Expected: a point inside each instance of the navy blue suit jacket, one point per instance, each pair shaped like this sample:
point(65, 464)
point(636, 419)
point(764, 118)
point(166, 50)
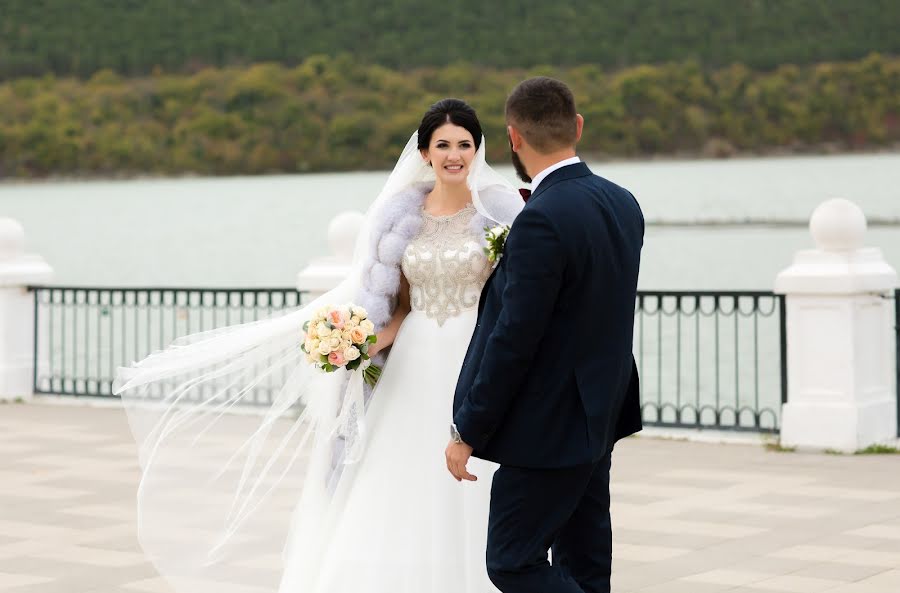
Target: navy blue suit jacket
point(549, 379)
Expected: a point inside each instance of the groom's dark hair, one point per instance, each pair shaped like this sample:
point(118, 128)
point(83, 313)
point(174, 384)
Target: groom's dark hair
point(542, 109)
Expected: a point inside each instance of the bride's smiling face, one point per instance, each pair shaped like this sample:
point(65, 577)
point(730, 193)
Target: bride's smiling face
point(450, 152)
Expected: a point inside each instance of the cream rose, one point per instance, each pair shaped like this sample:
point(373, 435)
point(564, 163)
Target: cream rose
point(367, 326)
point(357, 335)
point(351, 353)
point(322, 330)
point(324, 349)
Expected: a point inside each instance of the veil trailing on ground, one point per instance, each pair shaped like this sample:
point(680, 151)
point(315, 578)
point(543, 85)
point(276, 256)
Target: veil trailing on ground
point(225, 477)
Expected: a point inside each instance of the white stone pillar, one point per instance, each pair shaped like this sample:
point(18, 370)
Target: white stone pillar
point(324, 273)
point(840, 332)
point(17, 272)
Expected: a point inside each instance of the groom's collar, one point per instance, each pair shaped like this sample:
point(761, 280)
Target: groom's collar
point(565, 172)
point(536, 182)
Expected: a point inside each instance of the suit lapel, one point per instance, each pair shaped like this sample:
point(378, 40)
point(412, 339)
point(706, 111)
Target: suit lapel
point(565, 173)
point(487, 286)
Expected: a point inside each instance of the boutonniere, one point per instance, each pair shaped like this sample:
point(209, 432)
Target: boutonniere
point(496, 240)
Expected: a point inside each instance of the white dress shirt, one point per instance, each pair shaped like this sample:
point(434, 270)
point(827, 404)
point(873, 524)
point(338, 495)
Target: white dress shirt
point(536, 180)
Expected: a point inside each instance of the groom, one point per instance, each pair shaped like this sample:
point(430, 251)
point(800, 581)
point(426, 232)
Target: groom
point(549, 383)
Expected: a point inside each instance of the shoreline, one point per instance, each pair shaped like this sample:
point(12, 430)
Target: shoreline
point(680, 157)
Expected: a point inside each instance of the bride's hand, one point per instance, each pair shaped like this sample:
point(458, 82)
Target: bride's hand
point(375, 348)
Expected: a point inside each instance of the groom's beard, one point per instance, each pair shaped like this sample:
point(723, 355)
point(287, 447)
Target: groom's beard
point(521, 173)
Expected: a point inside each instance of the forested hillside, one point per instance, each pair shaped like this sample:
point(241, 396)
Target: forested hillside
point(340, 114)
point(132, 37)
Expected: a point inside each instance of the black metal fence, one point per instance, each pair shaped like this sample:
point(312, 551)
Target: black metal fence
point(706, 359)
point(712, 359)
point(82, 335)
point(897, 352)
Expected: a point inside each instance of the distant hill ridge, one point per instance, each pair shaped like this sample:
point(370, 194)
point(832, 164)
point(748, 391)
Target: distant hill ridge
point(133, 37)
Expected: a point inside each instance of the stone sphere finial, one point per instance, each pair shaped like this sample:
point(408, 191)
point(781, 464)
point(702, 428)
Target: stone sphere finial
point(342, 233)
point(838, 225)
point(12, 239)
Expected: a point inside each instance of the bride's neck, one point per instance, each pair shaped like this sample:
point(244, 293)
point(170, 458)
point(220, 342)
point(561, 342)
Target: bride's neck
point(445, 198)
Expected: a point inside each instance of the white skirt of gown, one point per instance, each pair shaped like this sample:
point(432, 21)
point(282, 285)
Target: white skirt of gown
point(405, 524)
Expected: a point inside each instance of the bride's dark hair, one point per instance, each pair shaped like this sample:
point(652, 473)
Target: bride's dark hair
point(454, 111)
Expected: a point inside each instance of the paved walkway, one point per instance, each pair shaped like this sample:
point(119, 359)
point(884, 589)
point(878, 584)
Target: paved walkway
point(688, 517)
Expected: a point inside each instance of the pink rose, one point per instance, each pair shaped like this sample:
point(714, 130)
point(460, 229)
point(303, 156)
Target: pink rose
point(336, 319)
point(336, 358)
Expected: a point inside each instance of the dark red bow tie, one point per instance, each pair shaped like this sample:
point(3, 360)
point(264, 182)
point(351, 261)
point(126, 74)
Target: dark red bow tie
point(525, 193)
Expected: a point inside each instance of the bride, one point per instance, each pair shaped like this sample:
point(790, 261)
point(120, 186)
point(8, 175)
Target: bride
point(331, 489)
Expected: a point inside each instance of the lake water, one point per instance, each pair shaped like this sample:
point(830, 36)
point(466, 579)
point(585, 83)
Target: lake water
point(260, 231)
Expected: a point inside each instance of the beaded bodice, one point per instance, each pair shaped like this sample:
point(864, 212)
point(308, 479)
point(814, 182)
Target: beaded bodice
point(446, 266)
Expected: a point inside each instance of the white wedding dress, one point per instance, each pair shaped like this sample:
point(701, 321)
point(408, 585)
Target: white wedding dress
point(405, 525)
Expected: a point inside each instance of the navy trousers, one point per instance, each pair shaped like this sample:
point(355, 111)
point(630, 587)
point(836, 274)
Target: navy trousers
point(564, 510)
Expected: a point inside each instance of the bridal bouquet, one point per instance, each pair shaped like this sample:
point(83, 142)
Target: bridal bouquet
point(339, 337)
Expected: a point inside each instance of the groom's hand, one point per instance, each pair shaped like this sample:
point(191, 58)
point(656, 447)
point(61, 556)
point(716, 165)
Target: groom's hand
point(457, 455)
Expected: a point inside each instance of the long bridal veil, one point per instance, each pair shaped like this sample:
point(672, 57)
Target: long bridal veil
point(237, 434)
